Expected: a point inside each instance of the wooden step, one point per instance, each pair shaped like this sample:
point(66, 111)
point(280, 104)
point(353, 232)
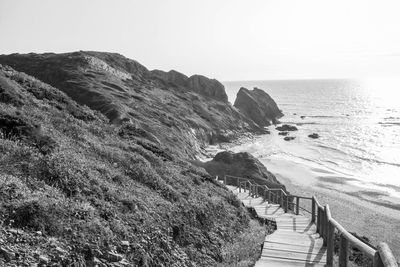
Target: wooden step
point(295, 243)
point(277, 262)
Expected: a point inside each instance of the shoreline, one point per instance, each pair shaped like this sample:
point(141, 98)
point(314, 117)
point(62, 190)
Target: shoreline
point(377, 223)
point(355, 207)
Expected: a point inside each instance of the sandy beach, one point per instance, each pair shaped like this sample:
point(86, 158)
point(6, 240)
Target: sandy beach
point(378, 223)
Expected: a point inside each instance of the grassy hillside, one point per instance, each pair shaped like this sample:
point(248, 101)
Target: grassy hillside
point(166, 109)
point(77, 189)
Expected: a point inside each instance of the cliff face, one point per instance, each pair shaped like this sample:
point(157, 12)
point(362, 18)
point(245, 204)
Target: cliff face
point(258, 106)
point(183, 113)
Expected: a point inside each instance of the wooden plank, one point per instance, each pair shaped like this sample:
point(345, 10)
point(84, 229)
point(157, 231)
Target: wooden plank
point(294, 243)
point(294, 248)
point(285, 263)
point(308, 257)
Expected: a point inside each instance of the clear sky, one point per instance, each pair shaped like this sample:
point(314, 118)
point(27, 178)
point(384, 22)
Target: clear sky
point(223, 39)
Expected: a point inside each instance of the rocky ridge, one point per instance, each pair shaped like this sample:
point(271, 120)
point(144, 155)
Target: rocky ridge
point(183, 113)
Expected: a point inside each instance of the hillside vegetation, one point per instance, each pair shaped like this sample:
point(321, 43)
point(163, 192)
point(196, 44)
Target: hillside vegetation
point(95, 168)
point(182, 113)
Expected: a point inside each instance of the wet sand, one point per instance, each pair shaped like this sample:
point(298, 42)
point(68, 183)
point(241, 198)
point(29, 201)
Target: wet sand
point(357, 209)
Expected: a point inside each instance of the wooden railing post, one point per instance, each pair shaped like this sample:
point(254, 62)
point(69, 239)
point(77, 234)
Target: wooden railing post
point(297, 205)
point(330, 237)
point(322, 223)
point(313, 209)
point(281, 200)
point(343, 251)
point(330, 244)
point(287, 204)
point(225, 180)
point(385, 256)
point(318, 221)
point(325, 228)
point(377, 261)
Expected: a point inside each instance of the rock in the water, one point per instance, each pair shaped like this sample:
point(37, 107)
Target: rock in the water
point(241, 165)
point(285, 133)
point(314, 136)
point(258, 106)
point(289, 138)
point(302, 117)
point(286, 127)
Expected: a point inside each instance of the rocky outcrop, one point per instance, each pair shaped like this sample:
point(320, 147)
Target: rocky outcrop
point(286, 127)
point(241, 165)
point(289, 138)
point(258, 106)
point(208, 87)
point(314, 136)
point(172, 77)
point(202, 85)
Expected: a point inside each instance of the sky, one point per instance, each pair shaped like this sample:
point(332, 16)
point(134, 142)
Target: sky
point(223, 39)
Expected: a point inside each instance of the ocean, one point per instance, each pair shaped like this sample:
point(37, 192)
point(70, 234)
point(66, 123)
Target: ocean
point(358, 122)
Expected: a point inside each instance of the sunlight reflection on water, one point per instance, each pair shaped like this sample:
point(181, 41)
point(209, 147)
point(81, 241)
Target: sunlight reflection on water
point(358, 121)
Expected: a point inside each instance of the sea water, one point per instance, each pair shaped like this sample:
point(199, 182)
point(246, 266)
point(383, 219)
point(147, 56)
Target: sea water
point(358, 122)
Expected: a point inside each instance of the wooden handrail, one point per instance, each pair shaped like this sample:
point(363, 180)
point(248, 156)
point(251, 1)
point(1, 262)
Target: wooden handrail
point(326, 226)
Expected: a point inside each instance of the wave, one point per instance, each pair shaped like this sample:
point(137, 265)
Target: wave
point(306, 123)
point(389, 123)
point(326, 116)
point(378, 161)
point(332, 149)
point(391, 118)
point(359, 157)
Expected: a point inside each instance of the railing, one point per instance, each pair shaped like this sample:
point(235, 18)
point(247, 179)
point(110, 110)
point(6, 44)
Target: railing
point(326, 226)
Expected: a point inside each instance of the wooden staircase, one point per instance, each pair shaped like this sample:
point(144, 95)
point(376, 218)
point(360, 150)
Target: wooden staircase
point(294, 243)
point(299, 240)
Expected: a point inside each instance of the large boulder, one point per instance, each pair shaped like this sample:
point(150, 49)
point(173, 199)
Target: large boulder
point(241, 164)
point(258, 106)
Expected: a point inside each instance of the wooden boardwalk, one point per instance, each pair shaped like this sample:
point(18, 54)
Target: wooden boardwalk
point(294, 243)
